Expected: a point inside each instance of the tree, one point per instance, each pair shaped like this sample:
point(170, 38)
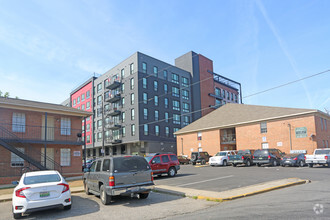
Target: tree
point(5, 95)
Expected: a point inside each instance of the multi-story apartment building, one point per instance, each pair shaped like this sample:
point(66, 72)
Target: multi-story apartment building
point(142, 101)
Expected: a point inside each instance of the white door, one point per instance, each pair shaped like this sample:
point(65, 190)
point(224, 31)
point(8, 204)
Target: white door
point(50, 154)
point(50, 128)
point(264, 145)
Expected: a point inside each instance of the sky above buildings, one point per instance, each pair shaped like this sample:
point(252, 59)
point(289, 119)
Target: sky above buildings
point(48, 48)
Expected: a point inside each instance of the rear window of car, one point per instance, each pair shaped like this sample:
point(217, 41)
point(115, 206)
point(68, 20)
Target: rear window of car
point(322, 152)
point(221, 154)
point(261, 152)
point(174, 158)
point(165, 159)
point(49, 178)
point(130, 164)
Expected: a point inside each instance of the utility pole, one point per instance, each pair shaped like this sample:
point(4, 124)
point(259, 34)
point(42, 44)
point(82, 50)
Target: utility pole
point(102, 112)
point(45, 155)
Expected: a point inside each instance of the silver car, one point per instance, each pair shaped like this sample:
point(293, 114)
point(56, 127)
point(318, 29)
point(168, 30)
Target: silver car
point(119, 176)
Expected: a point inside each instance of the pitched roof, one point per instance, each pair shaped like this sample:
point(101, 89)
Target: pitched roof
point(41, 107)
point(231, 115)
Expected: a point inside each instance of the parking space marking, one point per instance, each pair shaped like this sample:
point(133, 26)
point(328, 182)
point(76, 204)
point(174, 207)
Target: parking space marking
point(203, 181)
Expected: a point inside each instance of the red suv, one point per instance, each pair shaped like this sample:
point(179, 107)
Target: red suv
point(160, 163)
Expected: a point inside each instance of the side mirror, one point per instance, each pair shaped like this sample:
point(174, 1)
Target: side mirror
point(86, 170)
point(15, 183)
point(152, 162)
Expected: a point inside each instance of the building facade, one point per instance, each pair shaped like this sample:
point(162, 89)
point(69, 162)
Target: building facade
point(142, 101)
point(256, 127)
point(38, 136)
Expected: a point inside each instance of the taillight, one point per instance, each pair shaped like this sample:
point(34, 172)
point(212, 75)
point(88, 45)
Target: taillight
point(152, 176)
point(253, 157)
point(281, 158)
point(268, 156)
point(242, 158)
point(305, 157)
point(111, 181)
point(65, 187)
point(20, 193)
point(326, 157)
point(295, 158)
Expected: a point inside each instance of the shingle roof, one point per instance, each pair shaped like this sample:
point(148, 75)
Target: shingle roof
point(41, 107)
point(231, 115)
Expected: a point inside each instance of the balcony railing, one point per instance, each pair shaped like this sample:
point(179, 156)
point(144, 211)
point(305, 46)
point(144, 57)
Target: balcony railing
point(41, 134)
point(113, 139)
point(113, 98)
point(228, 139)
point(114, 83)
point(112, 125)
point(113, 111)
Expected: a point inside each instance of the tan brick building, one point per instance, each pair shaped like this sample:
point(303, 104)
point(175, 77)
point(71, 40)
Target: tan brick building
point(39, 136)
point(239, 126)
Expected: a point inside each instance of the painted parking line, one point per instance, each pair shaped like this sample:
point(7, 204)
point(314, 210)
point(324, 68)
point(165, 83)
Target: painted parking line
point(202, 166)
point(203, 181)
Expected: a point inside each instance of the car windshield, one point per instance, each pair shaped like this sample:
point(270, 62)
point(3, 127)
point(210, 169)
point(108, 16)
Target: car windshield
point(322, 152)
point(221, 154)
point(49, 178)
point(148, 158)
point(130, 164)
point(242, 152)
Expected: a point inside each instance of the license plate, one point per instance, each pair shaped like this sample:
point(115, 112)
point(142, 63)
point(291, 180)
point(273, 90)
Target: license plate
point(260, 158)
point(44, 194)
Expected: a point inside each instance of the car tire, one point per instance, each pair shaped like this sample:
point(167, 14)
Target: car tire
point(143, 195)
point(193, 163)
point(17, 215)
point(224, 163)
point(234, 165)
point(274, 163)
point(67, 207)
point(203, 162)
point(283, 165)
point(171, 172)
point(301, 163)
point(258, 164)
point(105, 198)
point(248, 163)
point(86, 189)
point(310, 165)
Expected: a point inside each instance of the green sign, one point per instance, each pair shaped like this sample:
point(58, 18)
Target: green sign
point(301, 132)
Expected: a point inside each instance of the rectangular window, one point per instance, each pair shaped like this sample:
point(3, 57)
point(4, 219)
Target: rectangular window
point(132, 114)
point(217, 92)
point(185, 107)
point(157, 130)
point(186, 120)
point(131, 68)
point(132, 83)
point(321, 124)
point(185, 82)
point(74, 102)
point(185, 94)
point(175, 78)
point(123, 87)
point(176, 119)
point(99, 87)
point(146, 129)
point(133, 129)
point(228, 95)
point(232, 97)
point(99, 123)
point(156, 100)
point(65, 126)
point(263, 127)
point(325, 124)
point(145, 98)
point(175, 130)
point(167, 131)
point(99, 99)
point(166, 102)
point(88, 127)
point(88, 138)
point(175, 92)
point(65, 157)
point(88, 105)
point(83, 107)
point(165, 74)
point(155, 86)
point(18, 124)
point(145, 113)
point(144, 67)
point(223, 93)
point(82, 97)
point(132, 99)
point(99, 136)
point(123, 131)
point(123, 117)
point(156, 115)
point(236, 98)
point(122, 73)
point(176, 105)
point(15, 160)
point(166, 116)
point(106, 83)
point(144, 83)
point(165, 88)
point(156, 71)
point(78, 100)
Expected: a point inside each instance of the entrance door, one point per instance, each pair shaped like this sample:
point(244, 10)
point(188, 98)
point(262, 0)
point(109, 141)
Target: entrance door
point(49, 154)
point(50, 128)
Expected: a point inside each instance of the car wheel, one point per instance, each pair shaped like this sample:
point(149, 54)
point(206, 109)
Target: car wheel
point(171, 172)
point(274, 163)
point(193, 163)
point(234, 164)
point(105, 198)
point(258, 164)
point(203, 162)
point(301, 163)
point(248, 163)
point(143, 195)
point(17, 215)
point(67, 207)
point(310, 165)
point(86, 189)
point(283, 165)
point(224, 163)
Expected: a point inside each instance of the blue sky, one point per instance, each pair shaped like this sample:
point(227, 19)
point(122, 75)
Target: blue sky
point(47, 48)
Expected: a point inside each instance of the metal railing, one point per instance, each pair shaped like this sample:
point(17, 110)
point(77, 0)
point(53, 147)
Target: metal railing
point(229, 138)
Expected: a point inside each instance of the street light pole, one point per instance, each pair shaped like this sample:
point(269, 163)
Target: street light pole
point(103, 150)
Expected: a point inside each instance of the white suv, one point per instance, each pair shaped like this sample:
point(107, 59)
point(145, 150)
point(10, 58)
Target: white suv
point(221, 158)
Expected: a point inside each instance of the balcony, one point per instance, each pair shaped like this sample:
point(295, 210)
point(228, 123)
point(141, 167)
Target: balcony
point(113, 139)
point(113, 98)
point(113, 125)
point(216, 96)
point(228, 139)
point(215, 106)
point(114, 83)
point(113, 111)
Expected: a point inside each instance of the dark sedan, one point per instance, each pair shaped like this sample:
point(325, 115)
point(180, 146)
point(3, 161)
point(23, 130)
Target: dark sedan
point(293, 160)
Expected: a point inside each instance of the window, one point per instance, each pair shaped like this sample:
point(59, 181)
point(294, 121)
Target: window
point(106, 165)
point(157, 130)
point(123, 117)
point(83, 107)
point(132, 99)
point(65, 157)
point(133, 129)
point(263, 127)
point(165, 74)
point(175, 130)
point(15, 160)
point(217, 92)
point(175, 78)
point(185, 82)
point(88, 94)
point(175, 92)
point(123, 131)
point(78, 100)
point(321, 124)
point(236, 98)
point(99, 100)
point(156, 71)
point(155, 86)
point(122, 73)
point(145, 113)
point(98, 165)
point(65, 126)
point(167, 131)
point(144, 67)
point(131, 68)
point(223, 93)
point(185, 94)
point(145, 98)
point(123, 87)
point(325, 124)
point(18, 124)
point(176, 105)
point(145, 129)
point(74, 102)
point(176, 119)
point(156, 115)
point(144, 83)
point(186, 120)
point(217, 102)
point(185, 107)
point(88, 127)
point(82, 97)
point(99, 136)
point(99, 123)
point(132, 83)
point(166, 116)
point(88, 105)
point(99, 87)
point(228, 95)
point(165, 159)
point(165, 88)
point(132, 114)
point(88, 138)
point(166, 102)
point(156, 100)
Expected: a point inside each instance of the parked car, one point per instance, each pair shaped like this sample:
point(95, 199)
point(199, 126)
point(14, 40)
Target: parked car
point(118, 176)
point(183, 159)
point(293, 160)
point(320, 156)
point(221, 158)
point(242, 157)
point(199, 157)
point(267, 156)
point(163, 163)
point(40, 190)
